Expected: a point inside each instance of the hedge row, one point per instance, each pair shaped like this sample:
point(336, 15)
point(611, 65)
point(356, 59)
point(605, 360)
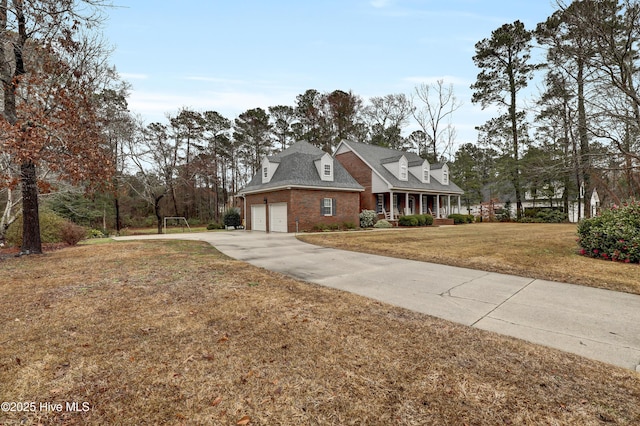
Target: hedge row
point(460, 219)
point(416, 220)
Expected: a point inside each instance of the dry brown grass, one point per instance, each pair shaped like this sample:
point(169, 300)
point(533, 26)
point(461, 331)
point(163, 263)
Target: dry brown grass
point(175, 333)
point(546, 251)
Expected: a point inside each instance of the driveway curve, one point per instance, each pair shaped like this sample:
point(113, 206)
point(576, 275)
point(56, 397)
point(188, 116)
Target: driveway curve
point(598, 324)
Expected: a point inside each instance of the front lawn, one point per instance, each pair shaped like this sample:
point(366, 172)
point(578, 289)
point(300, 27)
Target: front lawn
point(176, 333)
point(546, 251)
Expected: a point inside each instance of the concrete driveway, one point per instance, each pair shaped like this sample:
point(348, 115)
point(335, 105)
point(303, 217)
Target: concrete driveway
point(597, 324)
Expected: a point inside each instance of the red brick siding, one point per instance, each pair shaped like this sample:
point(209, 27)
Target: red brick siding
point(304, 205)
point(362, 174)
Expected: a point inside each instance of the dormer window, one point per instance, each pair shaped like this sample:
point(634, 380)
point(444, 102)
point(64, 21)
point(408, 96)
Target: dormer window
point(403, 170)
point(268, 169)
point(324, 166)
point(426, 175)
point(445, 176)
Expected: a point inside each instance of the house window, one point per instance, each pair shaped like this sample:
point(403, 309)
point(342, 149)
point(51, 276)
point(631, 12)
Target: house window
point(380, 204)
point(327, 170)
point(328, 207)
point(265, 172)
point(403, 172)
point(425, 175)
point(445, 176)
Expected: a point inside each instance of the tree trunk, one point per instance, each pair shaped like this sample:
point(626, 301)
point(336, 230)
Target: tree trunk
point(156, 208)
point(117, 207)
point(31, 242)
point(585, 157)
point(516, 145)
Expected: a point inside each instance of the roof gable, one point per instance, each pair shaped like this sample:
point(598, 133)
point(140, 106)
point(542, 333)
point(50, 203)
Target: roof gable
point(378, 159)
point(302, 165)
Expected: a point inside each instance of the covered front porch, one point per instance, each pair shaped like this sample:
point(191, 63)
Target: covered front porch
point(393, 204)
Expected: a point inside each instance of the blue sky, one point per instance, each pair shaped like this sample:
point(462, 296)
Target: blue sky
point(233, 55)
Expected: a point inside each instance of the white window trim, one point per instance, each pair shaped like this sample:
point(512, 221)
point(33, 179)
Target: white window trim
point(325, 207)
point(325, 173)
point(404, 172)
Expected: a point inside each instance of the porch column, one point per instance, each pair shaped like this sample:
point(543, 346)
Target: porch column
point(421, 197)
point(406, 204)
point(459, 204)
point(391, 206)
point(448, 205)
point(438, 206)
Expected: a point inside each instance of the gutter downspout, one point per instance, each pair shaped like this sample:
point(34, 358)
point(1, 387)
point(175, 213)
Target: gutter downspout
point(244, 212)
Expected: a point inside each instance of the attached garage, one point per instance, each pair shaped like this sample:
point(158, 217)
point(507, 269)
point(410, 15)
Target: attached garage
point(299, 189)
point(258, 217)
point(278, 217)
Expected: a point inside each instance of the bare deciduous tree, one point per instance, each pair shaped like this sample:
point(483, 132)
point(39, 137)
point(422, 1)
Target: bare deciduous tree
point(437, 105)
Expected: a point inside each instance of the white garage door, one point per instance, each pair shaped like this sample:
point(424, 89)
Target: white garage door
point(278, 217)
point(258, 217)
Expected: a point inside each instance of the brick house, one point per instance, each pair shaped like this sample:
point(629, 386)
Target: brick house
point(399, 183)
point(298, 189)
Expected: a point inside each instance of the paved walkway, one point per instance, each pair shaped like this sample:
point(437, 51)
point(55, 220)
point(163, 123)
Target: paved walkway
point(594, 323)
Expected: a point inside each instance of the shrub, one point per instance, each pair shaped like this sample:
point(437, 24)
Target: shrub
point(382, 223)
point(614, 235)
point(72, 234)
point(349, 225)
point(552, 216)
point(215, 225)
point(543, 215)
point(460, 219)
point(368, 218)
point(232, 218)
point(428, 219)
point(408, 220)
point(50, 229)
point(96, 233)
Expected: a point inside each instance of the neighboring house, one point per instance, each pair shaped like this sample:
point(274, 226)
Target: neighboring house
point(298, 189)
point(399, 183)
point(549, 196)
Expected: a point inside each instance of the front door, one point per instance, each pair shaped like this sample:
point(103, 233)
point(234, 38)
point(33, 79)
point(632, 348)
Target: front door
point(412, 205)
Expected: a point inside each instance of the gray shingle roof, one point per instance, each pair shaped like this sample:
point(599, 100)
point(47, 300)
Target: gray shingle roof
point(377, 156)
point(297, 169)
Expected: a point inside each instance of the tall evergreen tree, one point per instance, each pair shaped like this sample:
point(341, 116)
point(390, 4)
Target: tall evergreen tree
point(252, 131)
point(570, 52)
point(505, 70)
